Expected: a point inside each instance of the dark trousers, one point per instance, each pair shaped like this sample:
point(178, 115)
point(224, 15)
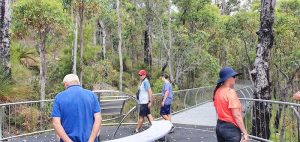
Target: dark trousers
point(227, 132)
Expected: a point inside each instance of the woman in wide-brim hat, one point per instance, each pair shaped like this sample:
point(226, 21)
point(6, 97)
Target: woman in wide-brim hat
point(230, 125)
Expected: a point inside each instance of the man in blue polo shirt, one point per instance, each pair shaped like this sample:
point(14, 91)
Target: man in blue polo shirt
point(76, 113)
point(167, 97)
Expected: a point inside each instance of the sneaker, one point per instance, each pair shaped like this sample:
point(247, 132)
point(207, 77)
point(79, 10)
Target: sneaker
point(135, 132)
point(172, 130)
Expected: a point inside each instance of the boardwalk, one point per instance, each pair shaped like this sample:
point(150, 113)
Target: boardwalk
point(183, 133)
point(193, 125)
point(203, 115)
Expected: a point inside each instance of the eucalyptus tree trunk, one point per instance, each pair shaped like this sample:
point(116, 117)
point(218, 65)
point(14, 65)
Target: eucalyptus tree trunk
point(261, 72)
point(223, 7)
point(75, 44)
point(102, 37)
point(120, 45)
point(170, 41)
point(147, 37)
point(81, 12)
point(5, 20)
point(42, 52)
point(147, 48)
point(95, 33)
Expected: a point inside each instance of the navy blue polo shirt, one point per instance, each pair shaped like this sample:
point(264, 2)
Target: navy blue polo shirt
point(76, 107)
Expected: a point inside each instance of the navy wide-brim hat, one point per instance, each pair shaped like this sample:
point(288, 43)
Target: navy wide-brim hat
point(226, 73)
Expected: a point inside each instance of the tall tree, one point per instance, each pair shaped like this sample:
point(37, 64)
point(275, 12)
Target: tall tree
point(39, 18)
point(5, 19)
point(81, 16)
point(102, 36)
point(78, 10)
point(229, 6)
point(261, 72)
point(74, 12)
point(120, 44)
point(147, 36)
point(169, 59)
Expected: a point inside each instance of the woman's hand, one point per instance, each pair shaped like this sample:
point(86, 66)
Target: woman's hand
point(162, 103)
point(245, 138)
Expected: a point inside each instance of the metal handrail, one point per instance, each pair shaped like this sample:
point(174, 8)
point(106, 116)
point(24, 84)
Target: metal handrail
point(26, 102)
point(35, 103)
point(250, 102)
point(204, 97)
point(271, 101)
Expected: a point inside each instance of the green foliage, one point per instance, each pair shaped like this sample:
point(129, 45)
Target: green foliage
point(290, 6)
point(5, 82)
point(41, 16)
point(203, 41)
point(28, 118)
point(190, 8)
point(102, 72)
point(287, 39)
point(209, 16)
point(157, 86)
point(18, 87)
point(56, 73)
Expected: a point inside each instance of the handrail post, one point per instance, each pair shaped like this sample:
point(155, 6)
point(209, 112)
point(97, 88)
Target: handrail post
point(1, 121)
point(196, 99)
point(298, 120)
point(298, 130)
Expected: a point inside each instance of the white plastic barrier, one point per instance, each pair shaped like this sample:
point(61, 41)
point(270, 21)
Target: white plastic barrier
point(157, 130)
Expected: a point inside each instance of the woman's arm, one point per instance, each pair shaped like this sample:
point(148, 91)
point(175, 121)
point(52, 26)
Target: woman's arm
point(239, 120)
point(235, 106)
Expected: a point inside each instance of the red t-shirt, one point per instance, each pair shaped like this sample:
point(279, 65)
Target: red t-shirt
point(224, 102)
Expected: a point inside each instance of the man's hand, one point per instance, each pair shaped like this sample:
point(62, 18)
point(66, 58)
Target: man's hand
point(149, 104)
point(96, 127)
point(60, 130)
point(162, 103)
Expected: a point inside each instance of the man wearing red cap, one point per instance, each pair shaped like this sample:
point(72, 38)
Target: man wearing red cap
point(144, 97)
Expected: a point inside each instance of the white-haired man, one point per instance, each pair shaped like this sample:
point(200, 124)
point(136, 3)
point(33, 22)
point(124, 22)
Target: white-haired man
point(76, 113)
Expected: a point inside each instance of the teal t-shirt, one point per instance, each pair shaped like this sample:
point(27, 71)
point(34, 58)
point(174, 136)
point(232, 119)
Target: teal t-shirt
point(144, 87)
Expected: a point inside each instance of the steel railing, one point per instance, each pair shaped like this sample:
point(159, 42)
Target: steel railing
point(270, 120)
point(32, 117)
point(27, 118)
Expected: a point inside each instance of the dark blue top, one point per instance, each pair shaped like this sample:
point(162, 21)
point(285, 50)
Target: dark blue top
point(76, 107)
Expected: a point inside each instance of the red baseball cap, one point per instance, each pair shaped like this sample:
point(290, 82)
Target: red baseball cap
point(142, 72)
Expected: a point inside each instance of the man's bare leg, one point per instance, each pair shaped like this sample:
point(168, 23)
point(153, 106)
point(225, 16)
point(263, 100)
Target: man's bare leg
point(140, 123)
point(166, 117)
point(150, 118)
